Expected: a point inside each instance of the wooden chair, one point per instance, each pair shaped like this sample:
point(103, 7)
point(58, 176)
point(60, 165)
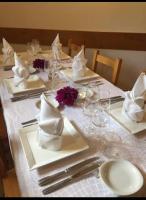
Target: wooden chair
point(73, 48)
point(115, 64)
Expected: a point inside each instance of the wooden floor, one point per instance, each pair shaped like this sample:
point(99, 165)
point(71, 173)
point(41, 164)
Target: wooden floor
point(11, 188)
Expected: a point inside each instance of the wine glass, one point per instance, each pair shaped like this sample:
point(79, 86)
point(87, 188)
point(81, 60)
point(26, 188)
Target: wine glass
point(53, 73)
point(35, 46)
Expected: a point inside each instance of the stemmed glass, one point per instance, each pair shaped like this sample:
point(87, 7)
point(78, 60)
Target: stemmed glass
point(33, 48)
point(101, 122)
point(53, 73)
point(35, 45)
point(111, 145)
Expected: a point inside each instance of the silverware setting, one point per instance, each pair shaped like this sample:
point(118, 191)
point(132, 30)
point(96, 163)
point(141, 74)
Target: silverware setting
point(28, 122)
point(98, 81)
point(10, 77)
point(80, 173)
point(115, 98)
point(64, 173)
point(28, 95)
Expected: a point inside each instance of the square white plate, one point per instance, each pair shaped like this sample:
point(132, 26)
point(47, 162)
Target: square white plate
point(6, 66)
point(34, 84)
point(73, 143)
point(127, 123)
point(89, 75)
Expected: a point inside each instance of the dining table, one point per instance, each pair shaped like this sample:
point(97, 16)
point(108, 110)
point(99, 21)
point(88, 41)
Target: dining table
point(91, 185)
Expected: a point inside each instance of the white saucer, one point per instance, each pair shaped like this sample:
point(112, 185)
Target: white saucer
point(121, 176)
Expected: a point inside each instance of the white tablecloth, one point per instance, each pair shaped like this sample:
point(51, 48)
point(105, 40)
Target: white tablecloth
point(89, 186)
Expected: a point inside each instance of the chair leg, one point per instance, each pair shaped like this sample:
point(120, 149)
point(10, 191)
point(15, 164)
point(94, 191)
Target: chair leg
point(5, 154)
point(2, 194)
point(2, 168)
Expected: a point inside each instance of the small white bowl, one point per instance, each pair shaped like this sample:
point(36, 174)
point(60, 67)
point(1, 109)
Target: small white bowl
point(121, 176)
point(83, 93)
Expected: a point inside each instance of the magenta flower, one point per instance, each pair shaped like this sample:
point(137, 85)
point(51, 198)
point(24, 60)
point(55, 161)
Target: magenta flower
point(66, 96)
point(39, 64)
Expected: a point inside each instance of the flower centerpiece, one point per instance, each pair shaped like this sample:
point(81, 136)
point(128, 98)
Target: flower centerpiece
point(67, 96)
point(39, 64)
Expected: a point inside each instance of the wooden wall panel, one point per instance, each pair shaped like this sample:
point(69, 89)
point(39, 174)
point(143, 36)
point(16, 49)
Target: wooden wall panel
point(102, 40)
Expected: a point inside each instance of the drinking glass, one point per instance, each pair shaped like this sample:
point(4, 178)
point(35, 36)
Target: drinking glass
point(101, 117)
point(91, 94)
point(35, 45)
point(90, 103)
point(53, 73)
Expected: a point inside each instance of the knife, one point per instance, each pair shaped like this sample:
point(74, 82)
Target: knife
point(28, 122)
point(28, 95)
point(71, 179)
point(116, 100)
point(112, 98)
point(66, 172)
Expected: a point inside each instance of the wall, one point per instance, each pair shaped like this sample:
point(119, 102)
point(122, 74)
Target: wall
point(97, 16)
point(88, 16)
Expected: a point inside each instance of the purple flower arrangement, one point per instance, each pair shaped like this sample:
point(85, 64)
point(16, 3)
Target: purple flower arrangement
point(66, 96)
point(39, 64)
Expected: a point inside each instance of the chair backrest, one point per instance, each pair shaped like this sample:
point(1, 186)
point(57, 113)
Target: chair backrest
point(73, 48)
point(115, 64)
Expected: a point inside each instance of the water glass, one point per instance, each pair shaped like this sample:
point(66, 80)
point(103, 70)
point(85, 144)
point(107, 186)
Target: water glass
point(35, 45)
point(101, 117)
point(91, 94)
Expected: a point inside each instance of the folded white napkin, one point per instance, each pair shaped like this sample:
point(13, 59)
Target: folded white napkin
point(21, 73)
point(79, 64)
point(8, 52)
point(133, 105)
point(51, 125)
point(57, 48)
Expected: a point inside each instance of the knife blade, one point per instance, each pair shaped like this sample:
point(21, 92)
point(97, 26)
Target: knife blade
point(66, 172)
point(71, 179)
point(26, 96)
point(117, 100)
point(28, 122)
point(112, 98)
point(22, 96)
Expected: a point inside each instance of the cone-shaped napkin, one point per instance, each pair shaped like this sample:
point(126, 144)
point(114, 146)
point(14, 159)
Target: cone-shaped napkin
point(57, 48)
point(51, 125)
point(8, 52)
point(21, 73)
point(79, 64)
point(133, 105)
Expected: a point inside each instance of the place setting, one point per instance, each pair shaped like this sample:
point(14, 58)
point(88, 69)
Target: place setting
point(130, 112)
point(52, 138)
point(23, 83)
point(78, 71)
